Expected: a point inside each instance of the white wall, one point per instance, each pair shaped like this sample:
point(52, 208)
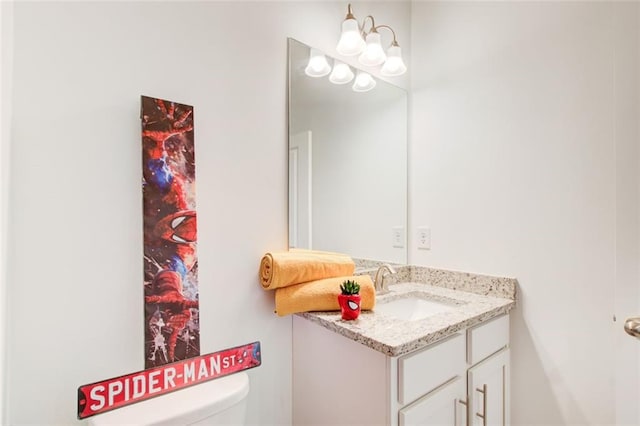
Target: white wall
point(75, 246)
point(518, 165)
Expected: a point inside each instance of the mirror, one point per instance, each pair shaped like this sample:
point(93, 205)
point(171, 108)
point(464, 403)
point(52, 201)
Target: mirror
point(347, 165)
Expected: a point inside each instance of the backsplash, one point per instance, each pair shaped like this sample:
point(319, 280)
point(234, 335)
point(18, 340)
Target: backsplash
point(485, 285)
point(367, 264)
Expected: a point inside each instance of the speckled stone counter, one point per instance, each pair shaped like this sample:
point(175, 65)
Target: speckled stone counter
point(474, 299)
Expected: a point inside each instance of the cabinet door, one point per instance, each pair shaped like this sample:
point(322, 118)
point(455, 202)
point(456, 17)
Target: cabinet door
point(488, 389)
point(442, 407)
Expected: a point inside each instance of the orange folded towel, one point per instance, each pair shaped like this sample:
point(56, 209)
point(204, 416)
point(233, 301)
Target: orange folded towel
point(322, 295)
point(281, 269)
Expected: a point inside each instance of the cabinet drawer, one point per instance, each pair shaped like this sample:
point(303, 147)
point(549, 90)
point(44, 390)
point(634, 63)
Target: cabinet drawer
point(421, 372)
point(487, 339)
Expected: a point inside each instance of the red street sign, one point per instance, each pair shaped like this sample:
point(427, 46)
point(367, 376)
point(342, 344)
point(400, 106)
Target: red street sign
point(114, 393)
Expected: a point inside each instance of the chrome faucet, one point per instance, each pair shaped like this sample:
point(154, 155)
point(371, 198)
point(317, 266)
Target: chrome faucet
point(378, 281)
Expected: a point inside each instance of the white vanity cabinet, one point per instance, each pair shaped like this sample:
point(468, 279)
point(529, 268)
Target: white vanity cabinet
point(488, 388)
point(337, 381)
point(488, 375)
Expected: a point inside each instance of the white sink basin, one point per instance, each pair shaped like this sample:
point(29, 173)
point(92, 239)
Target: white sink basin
point(411, 308)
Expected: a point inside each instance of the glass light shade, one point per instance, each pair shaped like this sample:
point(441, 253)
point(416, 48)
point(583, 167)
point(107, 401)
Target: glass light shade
point(341, 73)
point(394, 65)
point(373, 54)
point(351, 42)
point(318, 65)
point(364, 82)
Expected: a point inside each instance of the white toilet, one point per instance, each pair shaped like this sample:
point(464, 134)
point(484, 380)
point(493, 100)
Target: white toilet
point(217, 402)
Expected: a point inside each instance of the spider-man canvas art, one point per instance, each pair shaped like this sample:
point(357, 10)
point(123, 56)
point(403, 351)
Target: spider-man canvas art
point(172, 329)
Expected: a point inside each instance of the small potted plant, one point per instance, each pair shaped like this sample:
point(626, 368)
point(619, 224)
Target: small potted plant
point(349, 300)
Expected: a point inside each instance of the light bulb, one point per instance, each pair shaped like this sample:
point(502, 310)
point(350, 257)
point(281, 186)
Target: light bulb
point(341, 73)
point(318, 65)
point(373, 54)
point(364, 82)
point(394, 65)
point(351, 42)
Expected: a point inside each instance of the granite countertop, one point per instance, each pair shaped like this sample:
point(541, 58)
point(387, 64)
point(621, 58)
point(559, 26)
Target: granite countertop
point(473, 299)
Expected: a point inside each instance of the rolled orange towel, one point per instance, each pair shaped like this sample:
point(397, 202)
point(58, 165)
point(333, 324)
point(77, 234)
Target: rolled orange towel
point(281, 269)
point(322, 295)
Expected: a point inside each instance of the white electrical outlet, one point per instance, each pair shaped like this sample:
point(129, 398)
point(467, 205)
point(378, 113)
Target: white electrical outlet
point(398, 236)
point(424, 238)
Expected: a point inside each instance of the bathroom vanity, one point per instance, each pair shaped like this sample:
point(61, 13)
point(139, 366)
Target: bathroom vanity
point(435, 351)
point(411, 365)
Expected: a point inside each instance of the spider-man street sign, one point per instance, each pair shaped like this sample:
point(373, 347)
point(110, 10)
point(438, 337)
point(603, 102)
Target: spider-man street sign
point(96, 398)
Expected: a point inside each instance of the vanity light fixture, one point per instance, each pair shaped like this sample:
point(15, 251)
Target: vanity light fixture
point(341, 73)
point(352, 42)
point(373, 54)
point(394, 65)
point(364, 82)
point(318, 65)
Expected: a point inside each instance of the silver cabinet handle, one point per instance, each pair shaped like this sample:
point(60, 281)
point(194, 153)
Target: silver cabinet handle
point(483, 416)
point(466, 411)
point(632, 326)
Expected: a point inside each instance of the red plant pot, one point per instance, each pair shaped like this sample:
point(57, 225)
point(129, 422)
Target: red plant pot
point(349, 305)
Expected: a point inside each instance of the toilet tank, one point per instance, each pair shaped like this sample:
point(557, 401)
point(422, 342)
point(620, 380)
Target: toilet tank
point(220, 401)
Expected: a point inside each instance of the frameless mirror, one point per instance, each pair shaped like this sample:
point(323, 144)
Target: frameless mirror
point(347, 164)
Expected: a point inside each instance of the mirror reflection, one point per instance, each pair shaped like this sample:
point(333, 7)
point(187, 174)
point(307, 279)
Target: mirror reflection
point(347, 160)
